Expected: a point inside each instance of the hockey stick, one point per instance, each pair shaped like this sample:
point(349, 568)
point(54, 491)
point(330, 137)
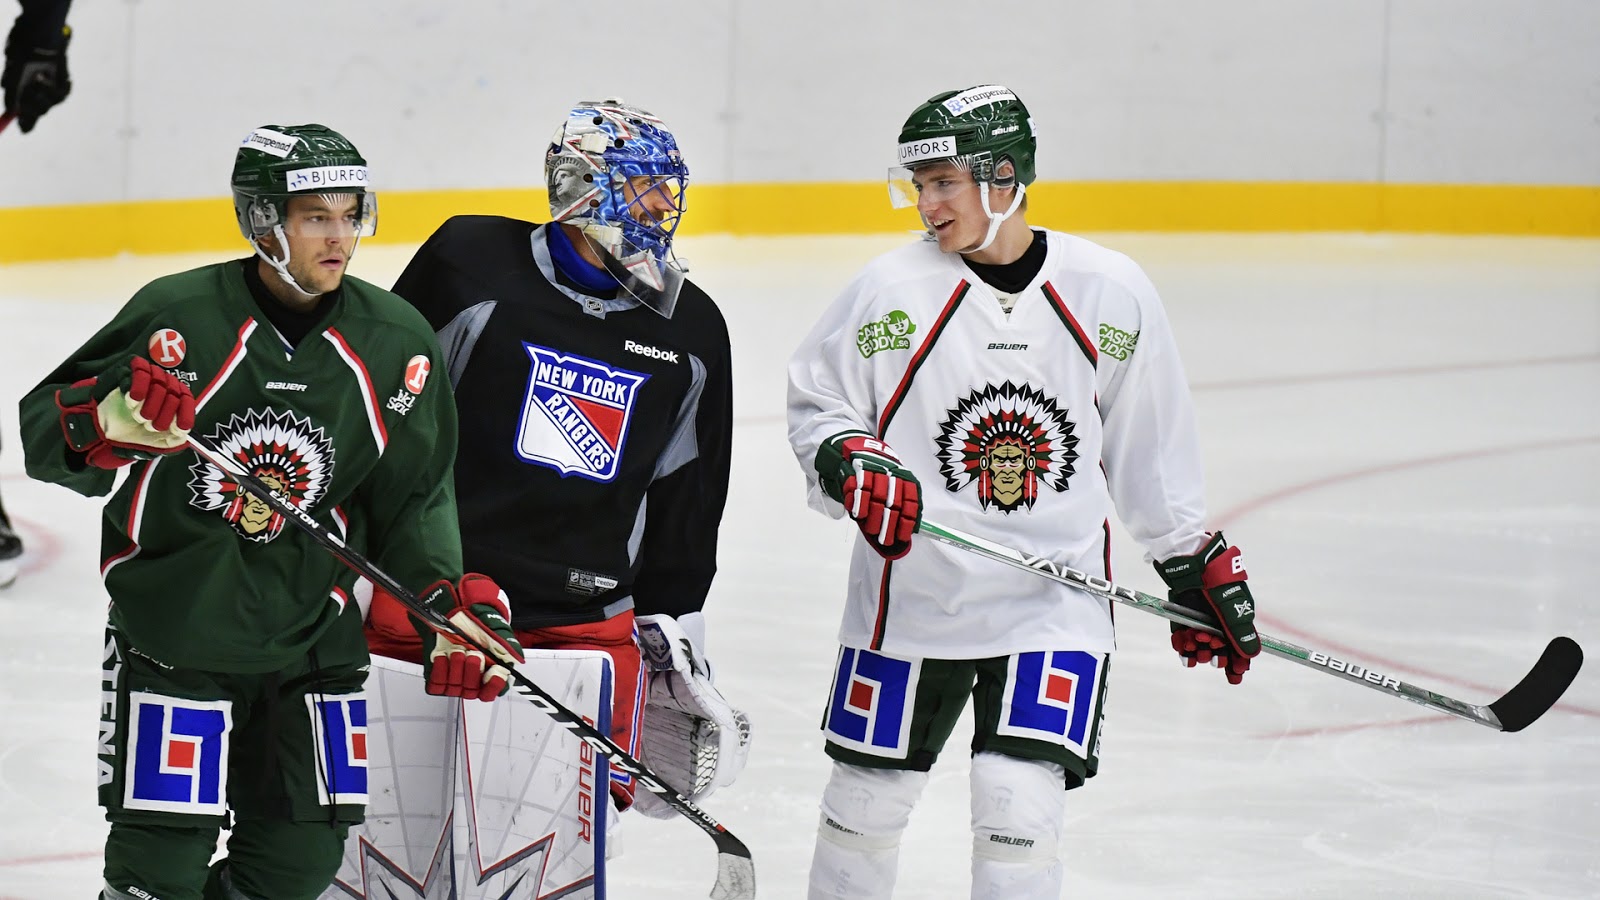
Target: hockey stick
point(1517, 709)
point(736, 872)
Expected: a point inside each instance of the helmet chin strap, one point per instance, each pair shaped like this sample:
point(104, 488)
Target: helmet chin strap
point(282, 268)
point(995, 218)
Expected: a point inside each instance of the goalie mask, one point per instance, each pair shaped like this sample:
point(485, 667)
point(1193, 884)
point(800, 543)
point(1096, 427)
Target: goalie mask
point(276, 163)
point(977, 129)
point(615, 171)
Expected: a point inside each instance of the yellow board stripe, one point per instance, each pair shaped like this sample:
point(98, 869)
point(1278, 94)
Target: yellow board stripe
point(176, 226)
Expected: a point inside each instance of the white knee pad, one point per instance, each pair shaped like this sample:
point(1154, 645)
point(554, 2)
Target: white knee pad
point(1018, 812)
point(864, 812)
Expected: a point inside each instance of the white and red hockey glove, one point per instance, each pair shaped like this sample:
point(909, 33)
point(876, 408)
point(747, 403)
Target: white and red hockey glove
point(879, 493)
point(1212, 581)
point(691, 736)
point(478, 607)
point(134, 410)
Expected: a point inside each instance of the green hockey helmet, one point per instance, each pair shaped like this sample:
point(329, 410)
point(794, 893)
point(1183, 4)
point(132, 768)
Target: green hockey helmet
point(976, 128)
point(276, 162)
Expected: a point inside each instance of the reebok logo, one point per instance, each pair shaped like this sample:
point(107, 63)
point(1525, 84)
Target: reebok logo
point(670, 356)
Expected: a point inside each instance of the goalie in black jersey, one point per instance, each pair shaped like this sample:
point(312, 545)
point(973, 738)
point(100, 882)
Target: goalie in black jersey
point(594, 388)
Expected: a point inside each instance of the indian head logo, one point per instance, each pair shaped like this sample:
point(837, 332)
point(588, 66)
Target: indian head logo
point(1010, 440)
point(286, 452)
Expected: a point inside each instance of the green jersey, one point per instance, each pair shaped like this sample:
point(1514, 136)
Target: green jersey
point(347, 423)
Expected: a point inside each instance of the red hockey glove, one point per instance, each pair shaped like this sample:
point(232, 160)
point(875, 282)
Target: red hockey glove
point(1213, 582)
point(479, 608)
point(134, 410)
point(884, 498)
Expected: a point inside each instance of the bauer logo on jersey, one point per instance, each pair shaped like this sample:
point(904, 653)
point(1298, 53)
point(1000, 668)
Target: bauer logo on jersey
point(167, 348)
point(575, 416)
point(871, 707)
point(339, 726)
point(1008, 440)
point(1052, 696)
point(177, 754)
point(286, 452)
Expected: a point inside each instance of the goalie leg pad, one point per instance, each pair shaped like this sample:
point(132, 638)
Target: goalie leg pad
point(864, 812)
point(1018, 813)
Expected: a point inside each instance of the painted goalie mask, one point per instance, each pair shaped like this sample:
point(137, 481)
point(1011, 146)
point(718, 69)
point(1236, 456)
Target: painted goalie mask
point(615, 171)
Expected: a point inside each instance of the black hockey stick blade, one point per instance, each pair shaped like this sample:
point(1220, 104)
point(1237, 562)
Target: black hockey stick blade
point(736, 872)
point(1541, 687)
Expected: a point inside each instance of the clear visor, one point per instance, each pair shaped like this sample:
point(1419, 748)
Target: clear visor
point(334, 216)
point(938, 183)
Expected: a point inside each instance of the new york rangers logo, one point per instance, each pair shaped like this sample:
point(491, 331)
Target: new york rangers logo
point(177, 754)
point(575, 416)
point(871, 707)
point(339, 726)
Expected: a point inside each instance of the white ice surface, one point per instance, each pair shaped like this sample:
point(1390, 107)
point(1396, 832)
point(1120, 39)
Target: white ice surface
point(1403, 433)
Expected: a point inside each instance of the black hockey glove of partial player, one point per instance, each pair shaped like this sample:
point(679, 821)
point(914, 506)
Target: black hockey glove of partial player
point(133, 410)
point(879, 493)
point(1213, 582)
point(478, 607)
point(35, 76)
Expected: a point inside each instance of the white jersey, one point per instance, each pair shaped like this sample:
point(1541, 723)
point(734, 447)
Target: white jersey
point(1028, 428)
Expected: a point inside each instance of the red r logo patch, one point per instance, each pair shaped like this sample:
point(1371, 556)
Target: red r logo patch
point(167, 348)
point(417, 373)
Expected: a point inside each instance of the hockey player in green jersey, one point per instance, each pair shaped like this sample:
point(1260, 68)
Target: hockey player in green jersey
point(233, 661)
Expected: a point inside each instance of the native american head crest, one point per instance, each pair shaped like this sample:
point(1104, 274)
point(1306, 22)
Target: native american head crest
point(284, 451)
point(1010, 440)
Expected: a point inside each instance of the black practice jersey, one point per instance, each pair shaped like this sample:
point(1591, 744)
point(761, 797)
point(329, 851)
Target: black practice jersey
point(592, 468)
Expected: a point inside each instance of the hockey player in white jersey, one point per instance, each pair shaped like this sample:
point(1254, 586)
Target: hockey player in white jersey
point(1020, 384)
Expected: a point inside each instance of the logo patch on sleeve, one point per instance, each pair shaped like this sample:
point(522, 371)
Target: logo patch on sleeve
point(167, 348)
point(576, 412)
point(1052, 696)
point(177, 754)
point(339, 726)
point(871, 707)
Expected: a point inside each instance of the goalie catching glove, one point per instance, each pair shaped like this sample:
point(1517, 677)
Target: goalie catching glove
point(879, 493)
point(1213, 582)
point(690, 737)
point(479, 608)
point(134, 410)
